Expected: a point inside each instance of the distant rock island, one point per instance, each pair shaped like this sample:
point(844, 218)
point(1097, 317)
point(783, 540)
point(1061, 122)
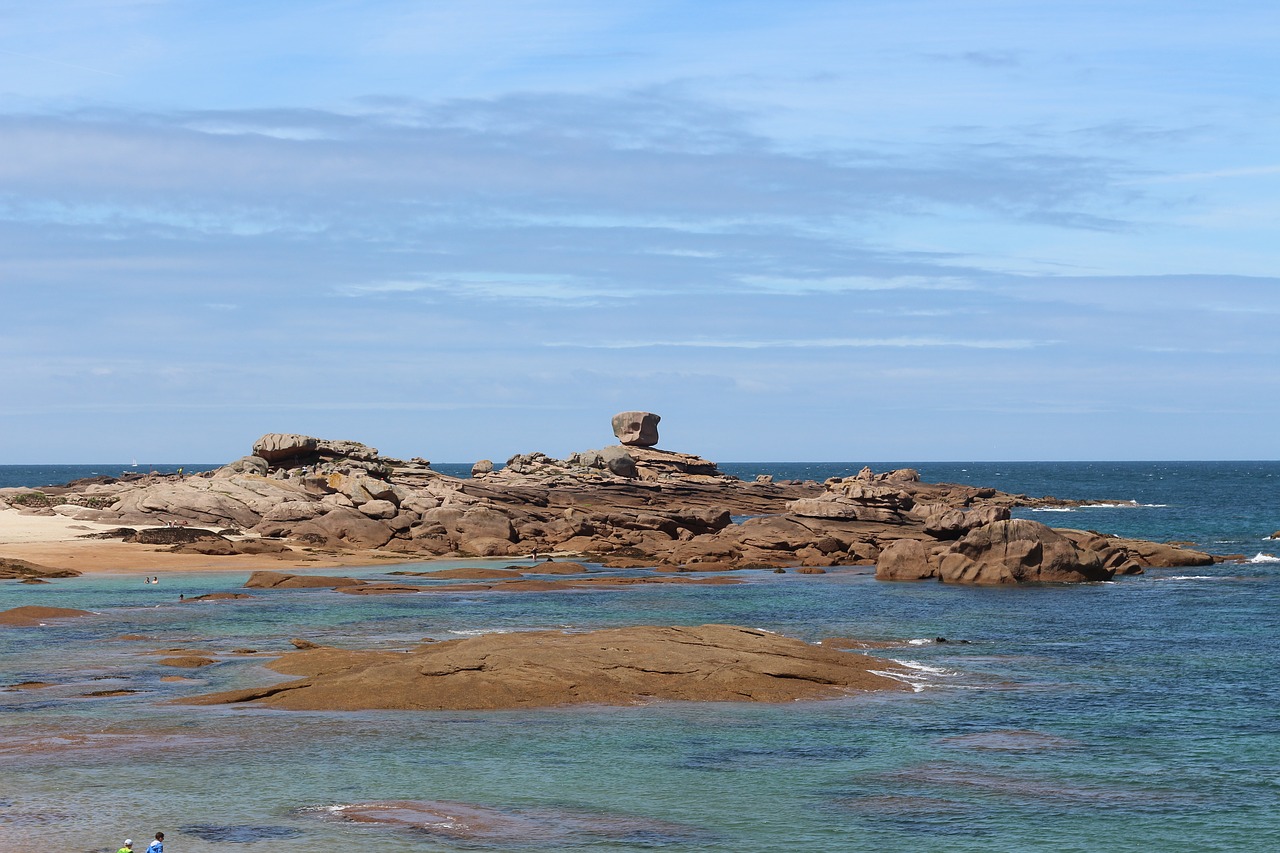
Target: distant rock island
point(630, 504)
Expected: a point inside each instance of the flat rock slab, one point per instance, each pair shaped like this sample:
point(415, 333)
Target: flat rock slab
point(619, 666)
point(470, 822)
point(32, 615)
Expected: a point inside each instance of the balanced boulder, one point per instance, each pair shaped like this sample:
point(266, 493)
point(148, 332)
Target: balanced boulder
point(636, 429)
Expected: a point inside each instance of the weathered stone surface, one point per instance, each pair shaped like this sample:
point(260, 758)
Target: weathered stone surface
point(173, 535)
point(32, 615)
point(246, 465)
point(618, 461)
point(484, 466)
point(906, 560)
point(485, 522)
point(187, 661)
point(1019, 551)
point(11, 569)
point(636, 429)
point(379, 509)
point(547, 668)
point(294, 510)
point(278, 446)
point(282, 580)
point(946, 522)
point(349, 526)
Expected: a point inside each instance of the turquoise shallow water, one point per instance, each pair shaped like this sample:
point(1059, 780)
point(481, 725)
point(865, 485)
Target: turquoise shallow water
point(1135, 715)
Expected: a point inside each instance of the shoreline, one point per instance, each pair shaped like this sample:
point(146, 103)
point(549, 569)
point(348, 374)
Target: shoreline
point(56, 542)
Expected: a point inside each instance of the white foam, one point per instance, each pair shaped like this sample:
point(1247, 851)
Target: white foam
point(479, 632)
point(1263, 558)
point(1112, 505)
point(1053, 509)
point(923, 667)
point(915, 686)
point(919, 642)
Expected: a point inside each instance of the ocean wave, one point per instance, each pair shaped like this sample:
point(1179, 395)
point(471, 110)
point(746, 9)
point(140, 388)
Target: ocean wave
point(1260, 557)
point(920, 676)
point(1053, 509)
point(915, 685)
point(923, 667)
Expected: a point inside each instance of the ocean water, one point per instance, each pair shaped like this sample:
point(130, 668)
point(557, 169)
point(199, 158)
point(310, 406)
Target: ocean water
point(1133, 715)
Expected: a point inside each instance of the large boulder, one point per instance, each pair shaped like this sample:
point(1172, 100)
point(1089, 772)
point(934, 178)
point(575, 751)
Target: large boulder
point(278, 446)
point(945, 522)
point(348, 527)
point(619, 462)
point(636, 429)
point(906, 560)
point(1019, 551)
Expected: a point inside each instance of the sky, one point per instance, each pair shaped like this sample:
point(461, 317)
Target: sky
point(462, 229)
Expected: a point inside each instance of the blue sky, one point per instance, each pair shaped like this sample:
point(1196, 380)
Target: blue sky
point(807, 230)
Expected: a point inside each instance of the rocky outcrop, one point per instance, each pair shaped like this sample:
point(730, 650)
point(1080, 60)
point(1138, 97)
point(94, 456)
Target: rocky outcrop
point(11, 569)
point(282, 580)
point(286, 451)
point(856, 500)
point(907, 560)
point(636, 429)
point(619, 666)
point(946, 522)
point(1019, 551)
point(622, 506)
point(33, 615)
point(1003, 552)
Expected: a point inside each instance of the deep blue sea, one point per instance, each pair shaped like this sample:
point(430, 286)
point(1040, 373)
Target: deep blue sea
point(1136, 715)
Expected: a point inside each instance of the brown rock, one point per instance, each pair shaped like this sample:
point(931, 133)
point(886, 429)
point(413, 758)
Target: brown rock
point(187, 661)
point(32, 615)
point(906, 560)
point(347, 526)
point(547, 668)
point(637, 429)
point(1019, 551)
point(381, 589)
point(280, 580)
point(13, 569)
point(276, 446)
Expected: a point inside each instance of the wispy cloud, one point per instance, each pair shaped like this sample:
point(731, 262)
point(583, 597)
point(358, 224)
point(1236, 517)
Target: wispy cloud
point(808, 343)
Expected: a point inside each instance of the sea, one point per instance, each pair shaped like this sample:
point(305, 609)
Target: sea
point(1133, 715)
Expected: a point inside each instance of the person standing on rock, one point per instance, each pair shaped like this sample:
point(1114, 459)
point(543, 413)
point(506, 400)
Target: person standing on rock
point(157, 846)
point(128, 846)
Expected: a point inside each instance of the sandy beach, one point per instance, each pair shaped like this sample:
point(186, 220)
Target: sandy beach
point(55, 541)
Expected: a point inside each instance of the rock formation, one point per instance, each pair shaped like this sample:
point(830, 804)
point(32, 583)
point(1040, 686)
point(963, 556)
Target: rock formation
point(11, 569)
point(636, 429)
point(619, 666)
point(626, 505)
point(33, 615)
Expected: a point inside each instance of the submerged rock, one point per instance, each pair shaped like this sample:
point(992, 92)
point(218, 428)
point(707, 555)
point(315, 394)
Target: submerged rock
point(550, 828)
point(32, 615)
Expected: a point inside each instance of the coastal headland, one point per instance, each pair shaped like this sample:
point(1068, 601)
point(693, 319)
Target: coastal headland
point(300, 501)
